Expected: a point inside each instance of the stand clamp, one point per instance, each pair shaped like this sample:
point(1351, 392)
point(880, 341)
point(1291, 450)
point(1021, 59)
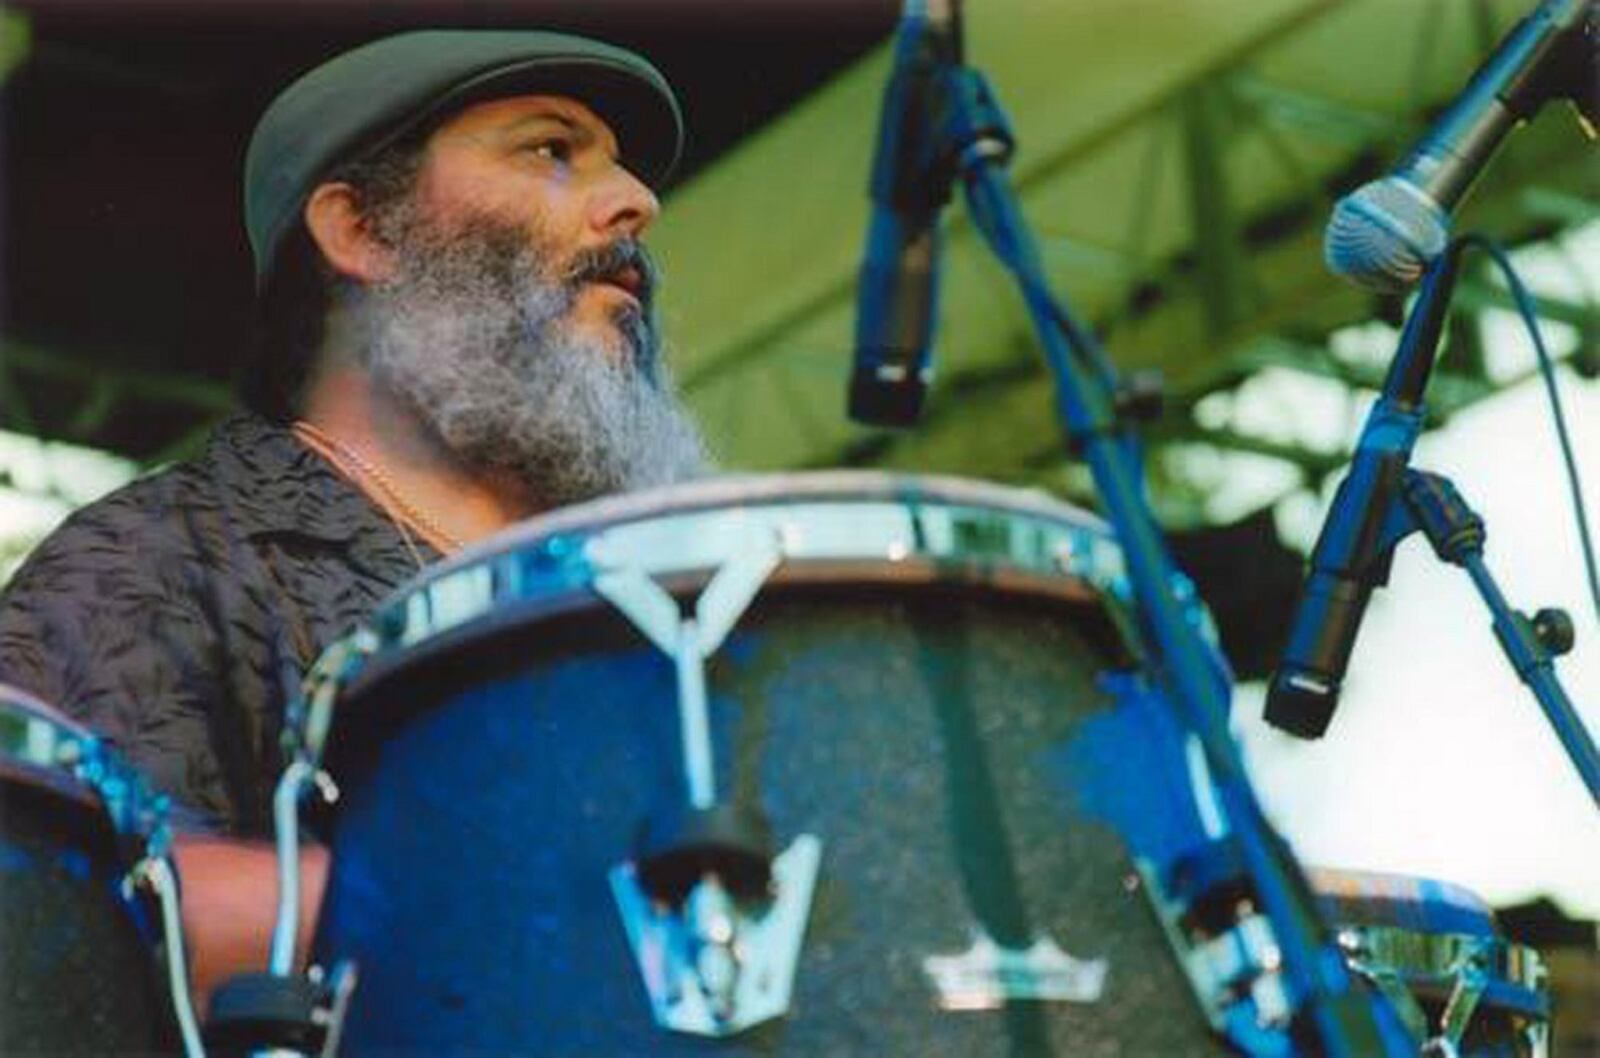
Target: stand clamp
point(1432, 504)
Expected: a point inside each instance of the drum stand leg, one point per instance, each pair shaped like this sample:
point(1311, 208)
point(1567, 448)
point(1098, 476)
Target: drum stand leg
point(1458, 1010)
point(281, 1012)
point(156, 874)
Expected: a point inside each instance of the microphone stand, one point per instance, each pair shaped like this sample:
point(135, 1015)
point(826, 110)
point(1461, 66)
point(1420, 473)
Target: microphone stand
point(976, 143)
point(1431, 504)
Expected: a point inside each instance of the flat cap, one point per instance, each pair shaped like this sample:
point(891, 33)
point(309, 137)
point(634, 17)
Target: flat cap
point(359, 102)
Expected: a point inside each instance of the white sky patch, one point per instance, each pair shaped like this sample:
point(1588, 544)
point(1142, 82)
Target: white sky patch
point(41, 483)
point(70, 473)
point(1559, 268)
point(1295, 408)
point(1369, 345)
point(1237, 482)
point(1507, 353)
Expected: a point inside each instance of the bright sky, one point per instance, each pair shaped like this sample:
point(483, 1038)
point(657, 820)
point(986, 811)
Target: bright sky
point(50, 480)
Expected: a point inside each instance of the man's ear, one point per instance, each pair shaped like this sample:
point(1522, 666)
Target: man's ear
point(340, 229)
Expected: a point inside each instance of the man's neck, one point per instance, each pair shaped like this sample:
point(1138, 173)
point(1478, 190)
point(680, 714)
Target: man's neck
point(345, 405)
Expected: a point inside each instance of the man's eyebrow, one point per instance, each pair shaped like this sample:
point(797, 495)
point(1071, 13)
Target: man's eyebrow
point(547, 115)
point(581, 130)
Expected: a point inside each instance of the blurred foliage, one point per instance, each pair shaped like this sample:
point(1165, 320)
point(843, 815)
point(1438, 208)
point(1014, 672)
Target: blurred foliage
point(16, 38)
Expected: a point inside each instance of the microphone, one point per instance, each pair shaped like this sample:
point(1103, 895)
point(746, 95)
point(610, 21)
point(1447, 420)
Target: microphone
point(898, 290)
point(1356, 545)
point(1386, 232)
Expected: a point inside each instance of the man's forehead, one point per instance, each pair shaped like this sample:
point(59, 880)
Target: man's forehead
point(512, 112)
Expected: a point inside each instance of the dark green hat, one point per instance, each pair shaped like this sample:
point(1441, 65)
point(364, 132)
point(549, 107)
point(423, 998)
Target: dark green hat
point(363, 100)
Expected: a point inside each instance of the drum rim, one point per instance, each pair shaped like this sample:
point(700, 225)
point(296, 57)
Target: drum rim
point(30, 753)
point(1363, 885)
point(89, 773)
point(11, 694)
point(1087, 557)
point(765, 490)
point(595, 528)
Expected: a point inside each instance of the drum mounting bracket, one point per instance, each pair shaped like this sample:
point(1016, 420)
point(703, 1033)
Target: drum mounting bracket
point(717, 961)
point(715, 967)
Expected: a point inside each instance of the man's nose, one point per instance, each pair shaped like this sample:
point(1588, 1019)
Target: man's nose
point(624, 205)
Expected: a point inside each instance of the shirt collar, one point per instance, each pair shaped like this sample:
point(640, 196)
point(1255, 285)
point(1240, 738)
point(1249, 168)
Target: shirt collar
point(282, 487)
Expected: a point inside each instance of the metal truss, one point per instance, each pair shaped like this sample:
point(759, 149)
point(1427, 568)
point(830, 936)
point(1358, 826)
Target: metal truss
point(86, 395)
point(1248, 321)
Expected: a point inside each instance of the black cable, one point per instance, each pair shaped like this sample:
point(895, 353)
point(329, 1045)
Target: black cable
point(1524, 302)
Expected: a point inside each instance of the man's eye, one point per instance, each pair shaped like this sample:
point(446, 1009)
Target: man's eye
point(556, 150)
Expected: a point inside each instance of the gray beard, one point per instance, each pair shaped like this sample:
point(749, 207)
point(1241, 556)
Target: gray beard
point(476, 340)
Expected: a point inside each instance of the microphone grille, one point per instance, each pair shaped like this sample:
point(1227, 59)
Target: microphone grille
point(1383, 234)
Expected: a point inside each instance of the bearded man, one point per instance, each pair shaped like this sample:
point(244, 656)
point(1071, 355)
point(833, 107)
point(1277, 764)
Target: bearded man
point(458, 332)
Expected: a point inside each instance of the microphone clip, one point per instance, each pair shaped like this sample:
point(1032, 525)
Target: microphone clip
point(974, 130)
point(947, 122)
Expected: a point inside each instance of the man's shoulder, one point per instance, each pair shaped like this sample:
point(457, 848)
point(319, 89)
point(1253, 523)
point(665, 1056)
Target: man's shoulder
point(152, 498)
point(245, 456)
point(142, 522)
point(145, 509)
point(90, 582)
point(109, 548)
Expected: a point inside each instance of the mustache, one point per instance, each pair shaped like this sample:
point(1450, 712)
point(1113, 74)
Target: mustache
point(625, 261)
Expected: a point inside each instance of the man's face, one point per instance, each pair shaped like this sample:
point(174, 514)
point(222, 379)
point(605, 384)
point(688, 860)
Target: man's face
point(515, 318)
point(548, 165)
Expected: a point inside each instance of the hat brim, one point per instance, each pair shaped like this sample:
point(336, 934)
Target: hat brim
point(648, 128)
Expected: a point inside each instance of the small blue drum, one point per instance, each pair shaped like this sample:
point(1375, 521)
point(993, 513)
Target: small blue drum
point(761, 766)
point(79, 942)
point(1434, 950)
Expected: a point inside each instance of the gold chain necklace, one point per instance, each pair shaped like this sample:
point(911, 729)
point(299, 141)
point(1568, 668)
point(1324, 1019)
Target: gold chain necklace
point(401, 511)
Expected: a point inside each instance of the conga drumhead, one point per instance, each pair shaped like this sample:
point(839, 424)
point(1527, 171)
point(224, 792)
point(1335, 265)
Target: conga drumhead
point(903, 687)
point(76, 975)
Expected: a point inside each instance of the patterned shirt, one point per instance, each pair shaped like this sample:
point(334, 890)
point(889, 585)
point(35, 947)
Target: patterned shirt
point(177, 616)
